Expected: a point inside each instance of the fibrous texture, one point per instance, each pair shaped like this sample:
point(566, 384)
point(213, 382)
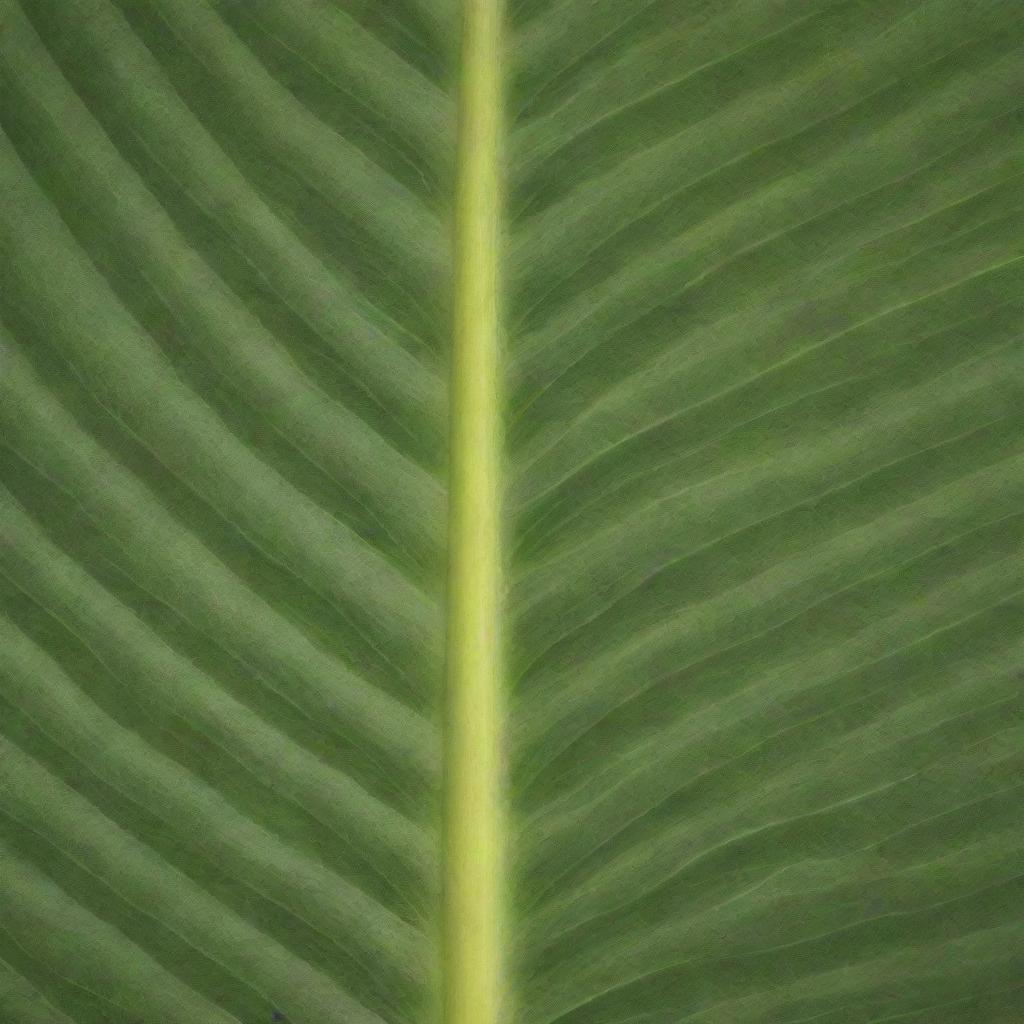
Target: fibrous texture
point(511, 515)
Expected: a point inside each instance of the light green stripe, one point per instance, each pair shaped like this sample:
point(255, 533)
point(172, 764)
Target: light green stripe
point(474, 851)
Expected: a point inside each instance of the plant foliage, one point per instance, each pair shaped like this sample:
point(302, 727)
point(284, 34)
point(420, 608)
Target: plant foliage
point(763, 303)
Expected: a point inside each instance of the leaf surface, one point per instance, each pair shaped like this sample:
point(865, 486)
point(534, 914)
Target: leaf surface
point(762, 301)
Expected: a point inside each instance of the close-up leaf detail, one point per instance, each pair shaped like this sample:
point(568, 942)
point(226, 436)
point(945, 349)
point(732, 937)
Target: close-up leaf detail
point(511, 513)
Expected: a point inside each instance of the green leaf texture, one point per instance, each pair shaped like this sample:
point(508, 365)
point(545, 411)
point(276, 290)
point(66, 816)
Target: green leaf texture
point(763, 498)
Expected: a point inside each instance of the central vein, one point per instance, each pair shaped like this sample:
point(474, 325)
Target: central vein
point(474, 841)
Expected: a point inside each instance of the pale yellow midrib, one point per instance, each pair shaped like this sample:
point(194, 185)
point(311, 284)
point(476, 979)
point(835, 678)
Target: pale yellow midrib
point(474, 827)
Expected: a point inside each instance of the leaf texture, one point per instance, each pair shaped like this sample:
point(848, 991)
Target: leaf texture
point(763, 298)
point(224, 327)
point(765, 422)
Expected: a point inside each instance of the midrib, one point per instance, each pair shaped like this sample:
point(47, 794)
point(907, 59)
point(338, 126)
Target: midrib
point(474, 830)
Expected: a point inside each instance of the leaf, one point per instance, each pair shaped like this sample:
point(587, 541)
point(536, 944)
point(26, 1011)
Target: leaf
point(751, 642)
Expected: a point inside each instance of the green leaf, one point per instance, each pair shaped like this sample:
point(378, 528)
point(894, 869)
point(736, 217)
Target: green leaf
point(589, 593)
